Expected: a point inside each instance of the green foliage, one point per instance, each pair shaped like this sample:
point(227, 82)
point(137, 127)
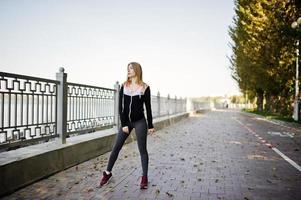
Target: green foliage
point(263, 59)
point(269, 115)
point(235, 99)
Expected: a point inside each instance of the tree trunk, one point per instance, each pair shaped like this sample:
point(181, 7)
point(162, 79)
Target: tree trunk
point(268, 104)
point(259, 95)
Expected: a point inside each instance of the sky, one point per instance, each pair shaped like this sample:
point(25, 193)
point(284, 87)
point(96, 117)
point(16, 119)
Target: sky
point(182, 45)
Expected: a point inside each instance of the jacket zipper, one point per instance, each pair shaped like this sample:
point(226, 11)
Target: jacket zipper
point(130, 109)
point(122, 102)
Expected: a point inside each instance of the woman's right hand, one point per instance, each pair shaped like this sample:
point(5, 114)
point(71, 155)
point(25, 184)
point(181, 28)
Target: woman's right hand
point(125, 129)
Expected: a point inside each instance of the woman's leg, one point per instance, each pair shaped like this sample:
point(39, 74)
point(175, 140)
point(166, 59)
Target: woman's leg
point(120, 139)
point(141, 135)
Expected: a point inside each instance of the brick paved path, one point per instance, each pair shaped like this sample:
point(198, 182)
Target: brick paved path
point(208, 156)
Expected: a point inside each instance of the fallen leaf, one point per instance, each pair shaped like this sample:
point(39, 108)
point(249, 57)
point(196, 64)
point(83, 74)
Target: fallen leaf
point(169, 194)
point(269, 181)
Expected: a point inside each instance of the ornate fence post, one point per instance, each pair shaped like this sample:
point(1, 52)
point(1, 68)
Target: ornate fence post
point(159, 102)
point(61, 107)
point(181, 105)
point(176, 103)
point(116, 106)
point(168, 104)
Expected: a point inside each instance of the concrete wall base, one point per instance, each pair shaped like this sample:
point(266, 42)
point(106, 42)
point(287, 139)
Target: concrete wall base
point(27, 165)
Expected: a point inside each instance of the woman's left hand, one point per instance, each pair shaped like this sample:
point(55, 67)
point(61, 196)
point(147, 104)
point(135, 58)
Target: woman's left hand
point(151, 131)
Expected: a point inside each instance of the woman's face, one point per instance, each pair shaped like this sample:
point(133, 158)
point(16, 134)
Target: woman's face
point(131, 72)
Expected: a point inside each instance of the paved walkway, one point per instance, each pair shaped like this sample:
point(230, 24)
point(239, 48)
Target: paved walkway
point(208, 156)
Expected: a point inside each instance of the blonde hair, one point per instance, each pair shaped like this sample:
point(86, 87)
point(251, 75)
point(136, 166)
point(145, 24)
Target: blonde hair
point(138, 71)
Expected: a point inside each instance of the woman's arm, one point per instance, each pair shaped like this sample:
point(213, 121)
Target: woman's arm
point(148, 108)
point(122, 117)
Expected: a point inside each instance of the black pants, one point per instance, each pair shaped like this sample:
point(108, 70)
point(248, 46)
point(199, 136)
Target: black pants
point(141, 135)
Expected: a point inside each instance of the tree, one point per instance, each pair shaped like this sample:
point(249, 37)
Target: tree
point(263, 56)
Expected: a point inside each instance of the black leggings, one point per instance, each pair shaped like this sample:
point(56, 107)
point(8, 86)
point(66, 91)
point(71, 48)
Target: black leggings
point(141, 135)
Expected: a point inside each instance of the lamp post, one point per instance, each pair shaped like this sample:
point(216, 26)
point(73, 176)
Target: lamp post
point(297, 25)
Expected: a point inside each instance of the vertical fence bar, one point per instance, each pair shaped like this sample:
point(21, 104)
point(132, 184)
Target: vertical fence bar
point(184, 105)
point(180, 105)
point(62, 106)
point(116, 106)
point(176, 103)
point(2, 111)
point(158, 102)
point(168, 104)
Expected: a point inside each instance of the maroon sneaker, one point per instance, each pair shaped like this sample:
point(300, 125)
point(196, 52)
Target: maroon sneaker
point(105, 179)
point(143, 184)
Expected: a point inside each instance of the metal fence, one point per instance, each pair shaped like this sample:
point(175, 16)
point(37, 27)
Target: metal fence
point(36, 110)
point(28, 109)
point(89, 108)
point(163, 106)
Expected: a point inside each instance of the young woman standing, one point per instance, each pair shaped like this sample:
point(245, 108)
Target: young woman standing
point(133, 94)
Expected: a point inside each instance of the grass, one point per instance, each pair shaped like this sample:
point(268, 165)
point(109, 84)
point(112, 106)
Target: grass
point(269, 115)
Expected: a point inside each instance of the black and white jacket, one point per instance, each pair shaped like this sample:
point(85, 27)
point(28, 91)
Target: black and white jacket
point(131, 105)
